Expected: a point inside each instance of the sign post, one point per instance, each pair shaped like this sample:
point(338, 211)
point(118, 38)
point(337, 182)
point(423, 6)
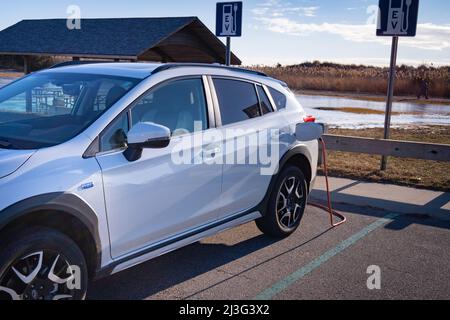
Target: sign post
point(390, 97)
point(229, 23)
point(397, 18)
point(228, 53)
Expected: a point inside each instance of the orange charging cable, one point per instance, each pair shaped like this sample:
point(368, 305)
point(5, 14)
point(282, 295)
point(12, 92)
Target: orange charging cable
point(328, 208)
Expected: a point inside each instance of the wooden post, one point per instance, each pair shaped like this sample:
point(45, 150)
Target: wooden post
point(28, 96)
point(26, 65)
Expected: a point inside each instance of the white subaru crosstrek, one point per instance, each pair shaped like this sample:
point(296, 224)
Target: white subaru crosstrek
point(106, 165)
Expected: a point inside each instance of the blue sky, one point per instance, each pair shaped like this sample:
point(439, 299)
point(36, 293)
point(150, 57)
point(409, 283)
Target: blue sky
point(285, 31)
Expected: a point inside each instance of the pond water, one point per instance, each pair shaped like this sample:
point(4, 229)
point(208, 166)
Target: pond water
point(4, 81)
point(410, 113)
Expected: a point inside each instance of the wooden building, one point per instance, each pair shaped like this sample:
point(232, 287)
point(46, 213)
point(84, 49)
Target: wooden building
point(178, 39)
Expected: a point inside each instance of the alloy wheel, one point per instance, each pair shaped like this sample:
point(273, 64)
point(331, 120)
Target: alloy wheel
point(42, 275)
point(290, 202)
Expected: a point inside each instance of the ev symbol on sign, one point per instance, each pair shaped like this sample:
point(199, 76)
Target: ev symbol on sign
point(397, 20)
point(229, 22)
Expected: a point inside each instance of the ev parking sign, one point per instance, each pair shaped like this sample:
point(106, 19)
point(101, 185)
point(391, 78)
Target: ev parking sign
point(229, 19)
point(398, 18)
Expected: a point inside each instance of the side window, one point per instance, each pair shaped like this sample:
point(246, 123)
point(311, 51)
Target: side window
point(179, 105)
point(115, 136)
point(237, 100)
point(264, 99)
point(279, 98)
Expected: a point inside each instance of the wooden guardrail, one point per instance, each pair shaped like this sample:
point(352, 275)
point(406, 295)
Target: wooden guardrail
point(394, 148)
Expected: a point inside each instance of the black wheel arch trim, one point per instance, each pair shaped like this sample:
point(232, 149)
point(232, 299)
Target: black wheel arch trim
point(294, 151)
point(61, 202)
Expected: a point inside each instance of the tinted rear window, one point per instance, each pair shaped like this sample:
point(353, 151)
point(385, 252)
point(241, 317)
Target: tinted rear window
point(237, 100)
point(279, 98)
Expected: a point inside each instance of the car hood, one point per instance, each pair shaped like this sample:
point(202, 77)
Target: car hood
point(11, 160)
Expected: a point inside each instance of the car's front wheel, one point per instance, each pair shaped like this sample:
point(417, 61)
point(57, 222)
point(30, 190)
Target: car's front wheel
point(287, 204)
point(41, 264)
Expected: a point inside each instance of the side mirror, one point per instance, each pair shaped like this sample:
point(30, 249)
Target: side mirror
point(146, 135)
point(309, 131)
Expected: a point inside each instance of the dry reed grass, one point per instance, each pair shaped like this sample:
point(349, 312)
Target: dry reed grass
point(360, 79)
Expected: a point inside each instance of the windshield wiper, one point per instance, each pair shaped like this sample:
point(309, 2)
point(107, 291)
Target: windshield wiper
point(5, 144)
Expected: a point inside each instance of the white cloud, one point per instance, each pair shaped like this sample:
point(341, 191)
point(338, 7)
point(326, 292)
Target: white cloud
point(275, 8)
point(429, 36)
point(306, 11)
point(260, 11)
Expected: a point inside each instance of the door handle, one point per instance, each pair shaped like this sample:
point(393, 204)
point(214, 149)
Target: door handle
point(211, 151)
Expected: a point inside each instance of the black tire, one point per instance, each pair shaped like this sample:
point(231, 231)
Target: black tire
point(270, 223)
point(58, 252)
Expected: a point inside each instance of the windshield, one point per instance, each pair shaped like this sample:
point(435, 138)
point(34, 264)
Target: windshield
point(47, 109)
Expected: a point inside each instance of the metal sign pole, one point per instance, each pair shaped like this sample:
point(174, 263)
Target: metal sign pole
point(228, 54)
point(391, 85)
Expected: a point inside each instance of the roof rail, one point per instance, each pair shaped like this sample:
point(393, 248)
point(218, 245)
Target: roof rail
point(76, 63)
point(169, 66)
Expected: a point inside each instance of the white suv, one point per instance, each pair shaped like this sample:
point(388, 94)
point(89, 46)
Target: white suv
point(106, 165)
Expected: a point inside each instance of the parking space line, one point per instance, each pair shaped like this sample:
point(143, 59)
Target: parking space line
point(286, 282)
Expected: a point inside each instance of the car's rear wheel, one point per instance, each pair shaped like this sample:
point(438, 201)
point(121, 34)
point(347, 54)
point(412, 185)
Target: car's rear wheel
point(287, 204)
point(41, 264)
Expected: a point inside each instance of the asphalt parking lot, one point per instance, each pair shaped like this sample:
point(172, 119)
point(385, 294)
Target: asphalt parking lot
point(411, 250)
